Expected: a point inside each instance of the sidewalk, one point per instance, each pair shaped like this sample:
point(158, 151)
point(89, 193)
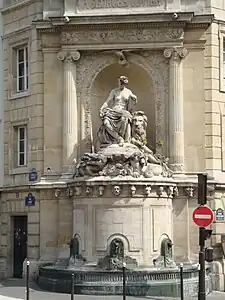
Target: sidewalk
point(14, 289)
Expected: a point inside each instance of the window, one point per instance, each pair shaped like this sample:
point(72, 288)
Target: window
point(223, 58)
point(21, 146)
point(22, 69)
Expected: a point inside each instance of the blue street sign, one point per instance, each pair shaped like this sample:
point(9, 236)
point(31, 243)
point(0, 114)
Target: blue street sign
point(33, 175)
point(219, 214)
point(30, 200)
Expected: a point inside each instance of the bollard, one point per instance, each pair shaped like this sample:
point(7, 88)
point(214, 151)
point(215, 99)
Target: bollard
point(181, 282)
point(72, 287)
point(124, 281)
point(27, 281)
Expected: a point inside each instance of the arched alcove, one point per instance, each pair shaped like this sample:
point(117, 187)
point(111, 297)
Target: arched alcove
point(141, 85)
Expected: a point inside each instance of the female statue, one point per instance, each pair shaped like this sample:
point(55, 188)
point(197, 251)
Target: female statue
point(116, 115)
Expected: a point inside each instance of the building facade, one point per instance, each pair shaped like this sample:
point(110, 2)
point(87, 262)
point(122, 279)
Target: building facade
point(61, 59)
point(1, 101)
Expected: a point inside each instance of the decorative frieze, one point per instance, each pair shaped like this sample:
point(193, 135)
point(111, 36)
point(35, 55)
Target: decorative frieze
point(170, 191)
point(121, 36)
point(116, 190)
point(69, 192)
point(126, 190)
point(133, 190)
point(101, 190)
point(175, 191)
point(108, 4)
point(160, 191)
point(148, 190)
point(190, 192)
point(78, 190)
point(57, 193)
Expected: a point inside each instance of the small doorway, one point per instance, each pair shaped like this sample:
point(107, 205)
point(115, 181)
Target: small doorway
point(19, 244)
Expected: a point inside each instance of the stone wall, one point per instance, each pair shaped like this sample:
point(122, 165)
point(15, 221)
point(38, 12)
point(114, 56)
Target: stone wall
point(12, 204)
point(26, 107)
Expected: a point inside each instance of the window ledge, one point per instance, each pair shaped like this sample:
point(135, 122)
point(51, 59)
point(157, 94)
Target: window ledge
point(15, 96)
point(222, 86)
point(19, 170)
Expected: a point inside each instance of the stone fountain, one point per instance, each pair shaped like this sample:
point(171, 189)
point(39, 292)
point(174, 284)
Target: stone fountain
point(123, 214)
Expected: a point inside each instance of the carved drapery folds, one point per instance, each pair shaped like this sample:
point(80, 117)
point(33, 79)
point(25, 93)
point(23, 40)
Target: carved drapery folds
point(70, 107)
point(176, 118)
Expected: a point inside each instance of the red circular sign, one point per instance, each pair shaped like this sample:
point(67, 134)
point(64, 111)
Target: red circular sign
point(203, 216)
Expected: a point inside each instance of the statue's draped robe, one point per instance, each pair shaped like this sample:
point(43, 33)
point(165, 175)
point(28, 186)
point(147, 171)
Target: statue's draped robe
point(119, 121)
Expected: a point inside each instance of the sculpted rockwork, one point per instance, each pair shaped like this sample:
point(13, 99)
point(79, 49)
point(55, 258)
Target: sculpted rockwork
point(122, 135)
point(90, 164)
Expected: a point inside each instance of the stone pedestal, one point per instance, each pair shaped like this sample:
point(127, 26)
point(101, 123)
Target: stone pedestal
point(70, 109)
point(130, 212)
point(176, 109)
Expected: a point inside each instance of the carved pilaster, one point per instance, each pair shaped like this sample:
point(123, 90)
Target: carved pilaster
point(70, 108)
point(176, 118)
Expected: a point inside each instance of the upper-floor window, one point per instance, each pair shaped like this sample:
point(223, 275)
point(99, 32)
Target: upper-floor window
point(221, 59)
point(22, 69)
point(20, 145)
point(224, 58)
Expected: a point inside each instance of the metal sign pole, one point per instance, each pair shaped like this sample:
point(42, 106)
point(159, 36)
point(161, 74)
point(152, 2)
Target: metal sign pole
point(201, 287)
point(124, 281)
point(27, 281)
point(72, 287)
point(181, 282)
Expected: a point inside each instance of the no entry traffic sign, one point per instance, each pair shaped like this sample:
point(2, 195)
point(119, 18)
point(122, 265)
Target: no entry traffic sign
point(203, 216)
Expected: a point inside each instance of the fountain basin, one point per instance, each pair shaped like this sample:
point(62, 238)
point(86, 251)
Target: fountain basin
point(140, 282)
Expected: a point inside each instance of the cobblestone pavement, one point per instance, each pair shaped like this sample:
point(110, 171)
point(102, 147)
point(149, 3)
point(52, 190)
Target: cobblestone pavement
point(13, 289)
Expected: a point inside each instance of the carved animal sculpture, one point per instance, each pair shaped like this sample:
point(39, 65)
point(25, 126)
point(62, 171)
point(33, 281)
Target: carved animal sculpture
point(91, 164)
point(138, 128)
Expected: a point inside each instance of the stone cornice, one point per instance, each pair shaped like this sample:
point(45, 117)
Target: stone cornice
point(127, 21)
point(187, 181)
point(123, 19)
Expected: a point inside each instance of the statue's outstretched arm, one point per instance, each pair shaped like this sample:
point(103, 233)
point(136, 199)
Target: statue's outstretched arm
point(105, 105)
point(133, 98)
